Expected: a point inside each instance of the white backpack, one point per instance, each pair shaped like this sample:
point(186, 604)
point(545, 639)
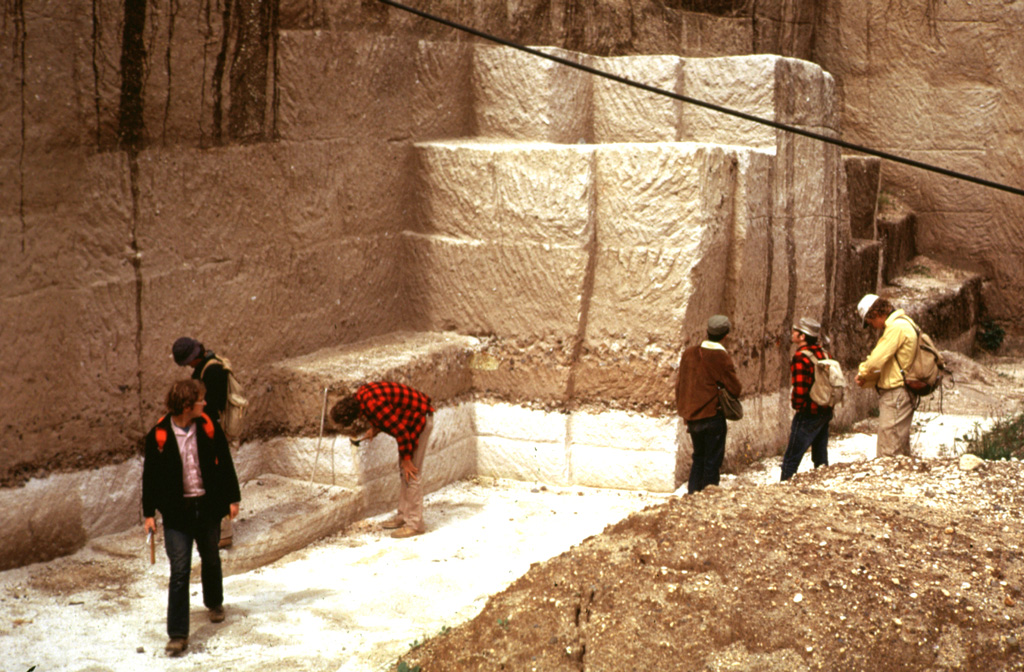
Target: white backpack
point(829, 382)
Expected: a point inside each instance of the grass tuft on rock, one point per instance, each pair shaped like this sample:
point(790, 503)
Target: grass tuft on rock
point(1002, 441)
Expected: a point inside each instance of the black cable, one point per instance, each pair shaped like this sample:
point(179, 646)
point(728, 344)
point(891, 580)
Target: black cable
point(711, 106)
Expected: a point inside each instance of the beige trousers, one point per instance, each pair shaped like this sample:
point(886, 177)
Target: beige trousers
point(895, 416)
point(410, 496)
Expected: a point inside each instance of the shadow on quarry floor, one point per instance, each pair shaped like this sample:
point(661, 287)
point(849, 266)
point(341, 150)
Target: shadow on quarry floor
point(279, 515)
point(353, 601)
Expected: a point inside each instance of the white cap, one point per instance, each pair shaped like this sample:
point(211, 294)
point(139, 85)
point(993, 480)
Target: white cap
point(865, 305)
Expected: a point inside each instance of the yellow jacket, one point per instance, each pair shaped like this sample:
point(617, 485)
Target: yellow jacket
point(898, 341)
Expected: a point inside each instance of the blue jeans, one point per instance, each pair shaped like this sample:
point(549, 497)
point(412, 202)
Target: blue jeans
point(178, 544)
point(807, 430)
point(708, 437)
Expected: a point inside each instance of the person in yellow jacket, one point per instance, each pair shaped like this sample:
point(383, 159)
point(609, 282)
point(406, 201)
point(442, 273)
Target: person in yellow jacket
point(882, 370)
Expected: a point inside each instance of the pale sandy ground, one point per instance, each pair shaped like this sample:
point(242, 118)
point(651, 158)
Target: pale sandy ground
point(355, 601)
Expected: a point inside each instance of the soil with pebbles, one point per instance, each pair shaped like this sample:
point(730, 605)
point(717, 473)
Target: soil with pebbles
point(885, 564)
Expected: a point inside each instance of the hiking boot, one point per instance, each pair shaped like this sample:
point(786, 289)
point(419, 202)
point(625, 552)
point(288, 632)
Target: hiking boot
point(217, 615)
point(393, 523)
point(405, 532)
point(176, 646)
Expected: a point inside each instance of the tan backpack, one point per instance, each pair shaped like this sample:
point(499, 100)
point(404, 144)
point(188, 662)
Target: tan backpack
point(926, 368)
point(232, 419)
point(829, 384)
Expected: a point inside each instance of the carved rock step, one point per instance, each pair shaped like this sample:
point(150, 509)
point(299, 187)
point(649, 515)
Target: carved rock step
point(289, 395)
point(944, 301)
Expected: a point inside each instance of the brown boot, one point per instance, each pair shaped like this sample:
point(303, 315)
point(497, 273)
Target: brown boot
point(217, 615)
point(393, 523)
point(405, 532)
point(176, 646)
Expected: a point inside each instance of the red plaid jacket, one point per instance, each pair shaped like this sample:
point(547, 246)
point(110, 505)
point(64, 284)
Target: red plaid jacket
point(801, 374)
point(396, 409)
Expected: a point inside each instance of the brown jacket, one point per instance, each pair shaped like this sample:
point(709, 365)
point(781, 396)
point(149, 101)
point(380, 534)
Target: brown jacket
point(700, 369)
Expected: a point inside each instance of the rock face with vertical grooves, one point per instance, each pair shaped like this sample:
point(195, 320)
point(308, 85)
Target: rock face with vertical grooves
point(299, 175)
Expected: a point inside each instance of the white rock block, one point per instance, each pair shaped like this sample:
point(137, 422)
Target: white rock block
point(624, 113)
point(248, 460)
point(540, 461)
point(508, 421)
point(623, 450)
point(468, 285)
point(504, 192)
point(663, 194)
point(518, 95)
point(449, 463)
point(743, 83)
point(621, 430)
point(664, 215)
point(110, 496)
point(451, 451)
point(601, 467)
point(294, 457)
point(756, 272)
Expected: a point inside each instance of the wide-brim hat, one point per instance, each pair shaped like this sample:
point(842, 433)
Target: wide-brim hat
point(186, 349)
point(808, 326)
point(865, 305)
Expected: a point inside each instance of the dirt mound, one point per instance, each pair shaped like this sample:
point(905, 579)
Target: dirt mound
point(891, 564)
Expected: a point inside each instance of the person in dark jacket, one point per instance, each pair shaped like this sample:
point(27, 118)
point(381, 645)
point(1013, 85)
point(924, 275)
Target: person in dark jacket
point(702, 369)
point(189, 477)
point(208, 368)
point(810, 422)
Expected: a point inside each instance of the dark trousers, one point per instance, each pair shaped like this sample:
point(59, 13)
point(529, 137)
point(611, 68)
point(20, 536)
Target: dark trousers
point(807, 430)
point(708, 437)
point(205, 532)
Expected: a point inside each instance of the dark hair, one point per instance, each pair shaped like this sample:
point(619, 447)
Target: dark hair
point(808, 339)
point(880, 308)
point(184, 394)
point(716, 338)
point(345, 412)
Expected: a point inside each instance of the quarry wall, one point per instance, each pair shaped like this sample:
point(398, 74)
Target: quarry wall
point(276, 177)
point(941, 83)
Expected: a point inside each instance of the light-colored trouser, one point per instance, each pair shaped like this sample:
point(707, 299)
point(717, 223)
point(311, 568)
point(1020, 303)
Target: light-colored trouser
point(895, 416)
point(410, 496)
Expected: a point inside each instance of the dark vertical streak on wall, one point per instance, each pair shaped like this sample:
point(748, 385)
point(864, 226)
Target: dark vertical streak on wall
point(218, 74)
point(172, 14)
point(247, 109)
point(753, 24)
point(271, 130)
point(586, 295)
point(131, 134)
point(20, 35)
point(131, 124)
point(96, 39)
point(133, 173)
point(204, 12)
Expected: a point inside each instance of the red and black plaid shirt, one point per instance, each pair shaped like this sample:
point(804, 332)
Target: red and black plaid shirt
point(801, 374)
point(396, 409)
